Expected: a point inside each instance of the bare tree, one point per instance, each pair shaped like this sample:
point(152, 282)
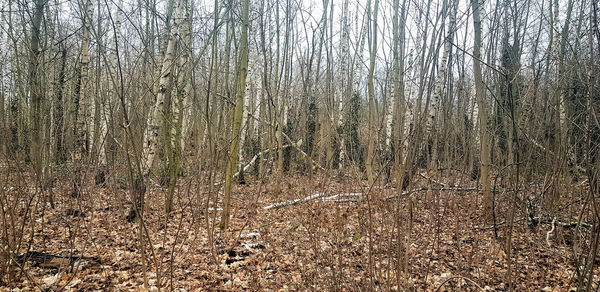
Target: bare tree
point(242, 71)
point(482, 107)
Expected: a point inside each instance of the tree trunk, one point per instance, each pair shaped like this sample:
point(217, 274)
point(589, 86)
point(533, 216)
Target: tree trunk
point(60, 155)
point(439, 90)
point(179, 108)
point(482, 108)
point(237, 117)
point(84, 100)
point(151, 134)
point(371, 93)
point(82, 103)
point(35, 90)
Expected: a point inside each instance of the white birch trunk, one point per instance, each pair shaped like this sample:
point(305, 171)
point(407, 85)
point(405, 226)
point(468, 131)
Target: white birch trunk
point(183, 82)
point(439, 89)
point(244, 128)
point(256, 108)
point(84, 134)
point(151, 134)
point(407, 128)
point(105, 111)
point(389, 117)
point(88, 101)
point(345, 89)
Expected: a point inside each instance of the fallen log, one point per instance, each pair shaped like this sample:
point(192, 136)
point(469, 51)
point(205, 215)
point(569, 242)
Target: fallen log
point(539, 220)
point(51, 261)
point(357, 197)
point(566, 224)
point(293, 202)
point(344, 197)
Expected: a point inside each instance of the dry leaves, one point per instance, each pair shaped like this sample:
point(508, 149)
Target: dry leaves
point(313, 245)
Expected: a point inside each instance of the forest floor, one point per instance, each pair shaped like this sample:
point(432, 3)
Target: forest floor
point(320, 244)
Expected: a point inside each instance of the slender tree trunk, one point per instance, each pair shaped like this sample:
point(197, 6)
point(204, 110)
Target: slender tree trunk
point(3, 118)
point(243, 131)
point(107, 123)
point(3, 128)
point(84, 99)
point(178, 114)
point(287, 73)
point(35, 90)
point(237, 117)
point(439, 90)
point(400, 116)
point(185, 80)
point(371, 93)
point(151, 134)
point(82, 102)
point(60, 155)
point(344, 91)
point(482, 108)
point(565, 154)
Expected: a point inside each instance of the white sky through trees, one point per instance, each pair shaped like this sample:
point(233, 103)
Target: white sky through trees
point(306, 22)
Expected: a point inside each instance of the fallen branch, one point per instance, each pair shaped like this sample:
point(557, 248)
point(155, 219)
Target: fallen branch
point(550, 232)
point(456, 189)
point(355, 197)
point(570, 225)
point(293, 202)
point(344, 197)
point(314, 163)
point(348, 200)
point(537, 144)
point(253, 160)
point(561, 223)
point(433, 180)
point(500, 224)
point(538, 220)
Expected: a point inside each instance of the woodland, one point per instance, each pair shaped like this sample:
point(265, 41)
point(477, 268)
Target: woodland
point(294, 145)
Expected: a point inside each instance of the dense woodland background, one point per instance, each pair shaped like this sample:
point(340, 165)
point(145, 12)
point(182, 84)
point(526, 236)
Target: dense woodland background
point(337, 145)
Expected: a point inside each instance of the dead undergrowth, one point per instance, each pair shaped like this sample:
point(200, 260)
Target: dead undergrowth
point(330, 244)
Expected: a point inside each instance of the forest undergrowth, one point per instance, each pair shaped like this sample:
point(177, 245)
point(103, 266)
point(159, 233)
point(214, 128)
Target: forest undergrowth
point(344, 236)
